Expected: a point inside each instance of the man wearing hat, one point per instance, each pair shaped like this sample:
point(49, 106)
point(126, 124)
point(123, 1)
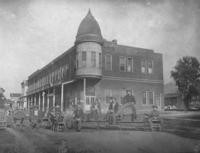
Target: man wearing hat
point(154, 113)
point(129, 102)
point(154, 118)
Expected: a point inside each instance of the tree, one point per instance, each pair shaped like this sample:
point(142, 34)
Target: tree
point(186, 74)
point(2, 98)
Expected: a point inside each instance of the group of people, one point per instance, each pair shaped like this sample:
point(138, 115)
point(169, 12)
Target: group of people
point(113, 109)
point(116, 110)
point(113, 105)
point(95, 109)
point(55, 115)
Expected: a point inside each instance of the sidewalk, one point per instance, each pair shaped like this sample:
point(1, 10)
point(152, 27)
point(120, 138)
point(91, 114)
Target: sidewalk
point(191, 115)
point(138, 126)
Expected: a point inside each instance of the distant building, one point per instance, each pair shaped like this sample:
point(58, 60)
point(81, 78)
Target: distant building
point(15, 97)
point(97, 68)
point(10, 103)
point(2, 98)
point(2, 90)
point(23, 98)
point(173, 97)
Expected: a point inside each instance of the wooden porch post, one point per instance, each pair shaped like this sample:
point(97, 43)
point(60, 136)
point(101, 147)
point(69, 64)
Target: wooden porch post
point(62, 97)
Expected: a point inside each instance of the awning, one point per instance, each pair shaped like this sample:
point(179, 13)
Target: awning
point(68, 82)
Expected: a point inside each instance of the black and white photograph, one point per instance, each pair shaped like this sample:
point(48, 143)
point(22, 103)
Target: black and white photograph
point(99, 76)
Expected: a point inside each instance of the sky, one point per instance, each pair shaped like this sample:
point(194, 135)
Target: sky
point(34, 32)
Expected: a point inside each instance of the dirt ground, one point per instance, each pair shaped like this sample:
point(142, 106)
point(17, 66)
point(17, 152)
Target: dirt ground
point(93, 141)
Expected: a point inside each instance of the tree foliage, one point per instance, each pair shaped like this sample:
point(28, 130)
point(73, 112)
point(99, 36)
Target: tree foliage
point(186, 74)
point(2, 98)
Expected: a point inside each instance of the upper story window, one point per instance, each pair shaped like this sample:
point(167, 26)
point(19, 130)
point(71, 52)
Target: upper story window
point(100, 60)
point(122, 64)
point(143, 66)
point(84, 58)
point(150, 67)
point(77, 60)
point(147, 66)
point(93, 59)
point(129, 64)
point(108, 62)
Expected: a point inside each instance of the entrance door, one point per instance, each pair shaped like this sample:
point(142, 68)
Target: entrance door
point(89, 101)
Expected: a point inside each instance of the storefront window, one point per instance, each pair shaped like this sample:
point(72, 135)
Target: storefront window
point(108, 95)
point(150, 96)
point(144, 100)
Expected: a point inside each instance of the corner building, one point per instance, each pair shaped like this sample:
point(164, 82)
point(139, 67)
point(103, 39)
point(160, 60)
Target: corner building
point(97, 68)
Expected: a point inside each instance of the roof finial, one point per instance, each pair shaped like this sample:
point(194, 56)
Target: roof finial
point(89, 13)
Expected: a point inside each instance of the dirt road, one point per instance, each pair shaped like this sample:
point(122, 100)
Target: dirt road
point(92, 141)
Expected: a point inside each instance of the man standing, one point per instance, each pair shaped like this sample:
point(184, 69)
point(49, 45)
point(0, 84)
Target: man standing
point(116, 106)
point(129, 102)
point(78, 116)
point(111, 116)
point(129, 98)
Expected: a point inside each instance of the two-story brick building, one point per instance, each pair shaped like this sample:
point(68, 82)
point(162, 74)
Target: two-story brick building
point(96, 68)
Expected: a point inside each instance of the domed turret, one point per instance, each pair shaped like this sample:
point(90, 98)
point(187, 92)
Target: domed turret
point(88, 48)
point(89, 30)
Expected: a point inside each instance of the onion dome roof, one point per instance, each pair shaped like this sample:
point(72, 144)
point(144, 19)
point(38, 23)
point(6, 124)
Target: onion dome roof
point(89, 29)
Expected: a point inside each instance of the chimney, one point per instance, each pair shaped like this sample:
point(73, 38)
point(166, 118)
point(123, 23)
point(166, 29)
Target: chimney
point(114, 41)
